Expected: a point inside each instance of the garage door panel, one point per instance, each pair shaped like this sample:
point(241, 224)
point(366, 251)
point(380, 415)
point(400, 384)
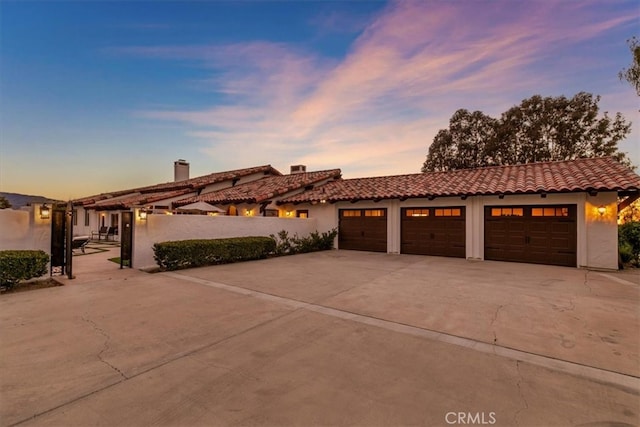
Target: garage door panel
point(433, 233)
point(359, 230)
point(544, 235)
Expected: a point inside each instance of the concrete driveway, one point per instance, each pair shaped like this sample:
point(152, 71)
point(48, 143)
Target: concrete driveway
point(331, 338)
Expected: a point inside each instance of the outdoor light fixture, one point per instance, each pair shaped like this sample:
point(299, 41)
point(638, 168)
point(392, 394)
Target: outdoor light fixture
point(288, 213)
point(45, 212)
point(248, 213)
point(142, 214)
point(602, 210)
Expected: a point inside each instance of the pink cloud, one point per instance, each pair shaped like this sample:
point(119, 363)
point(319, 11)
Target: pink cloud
point(412, 66)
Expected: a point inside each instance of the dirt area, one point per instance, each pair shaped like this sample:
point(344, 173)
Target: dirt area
point(31, 286)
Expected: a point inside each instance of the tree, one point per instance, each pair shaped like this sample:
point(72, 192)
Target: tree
point(4, 203)
point(539, 129)
point(464, 144)
point(632, 74)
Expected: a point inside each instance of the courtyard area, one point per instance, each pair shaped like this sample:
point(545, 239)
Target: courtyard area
point(329, 338)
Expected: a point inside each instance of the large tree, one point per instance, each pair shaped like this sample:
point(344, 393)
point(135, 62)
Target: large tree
point(632, 74)
point(539, 129)
point(464, 144)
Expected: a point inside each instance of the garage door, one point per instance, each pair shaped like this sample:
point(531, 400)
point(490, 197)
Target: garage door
point(433, 231)
point(535, 234)
point(363, 230)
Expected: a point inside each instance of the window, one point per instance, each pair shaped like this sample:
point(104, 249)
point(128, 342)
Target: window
point(448, 212)
point(271, 212)
point(417, 212)
point(302, 213)
point(86, 218)
point(551, 211)
point(507, 211)
point(351, 212)
point(75, 217)
point(374, 212)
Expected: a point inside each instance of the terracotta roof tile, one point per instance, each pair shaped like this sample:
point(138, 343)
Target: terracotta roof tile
point(599, 174)
point(186, 185)
point(263, 189)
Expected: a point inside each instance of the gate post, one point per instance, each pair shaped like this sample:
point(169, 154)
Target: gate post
point(126, 242)
point(69, 241)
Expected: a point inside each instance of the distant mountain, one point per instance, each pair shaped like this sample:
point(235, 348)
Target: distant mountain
point(19, 200)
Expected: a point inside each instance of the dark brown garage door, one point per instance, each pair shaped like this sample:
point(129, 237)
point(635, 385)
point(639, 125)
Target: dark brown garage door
point(433, 231)
point(363, 230)
point(535, 234)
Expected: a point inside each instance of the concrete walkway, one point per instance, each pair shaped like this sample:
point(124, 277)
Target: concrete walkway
point(332, 338)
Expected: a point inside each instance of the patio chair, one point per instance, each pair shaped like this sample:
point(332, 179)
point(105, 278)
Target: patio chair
point(104, 231)
point(113, 232)
point(79, 242)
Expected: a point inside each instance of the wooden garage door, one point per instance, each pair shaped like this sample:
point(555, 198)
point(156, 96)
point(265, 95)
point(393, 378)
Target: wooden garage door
point(535, 234)
point(363, 230)
point(433, 231)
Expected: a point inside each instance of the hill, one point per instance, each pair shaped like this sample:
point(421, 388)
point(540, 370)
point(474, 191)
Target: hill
point(18, 200)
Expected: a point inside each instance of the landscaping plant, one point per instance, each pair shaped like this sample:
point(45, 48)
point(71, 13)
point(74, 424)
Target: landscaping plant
point(181, 254)
point(21, 265)
point(629, 242)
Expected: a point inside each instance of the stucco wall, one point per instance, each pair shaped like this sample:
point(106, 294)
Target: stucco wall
point(597, 235)
point(24, 229)
point(601, 232)
point(162, 228)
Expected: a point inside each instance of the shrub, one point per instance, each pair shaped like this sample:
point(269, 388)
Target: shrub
point(629, 239)
point(181, 254)
point(626, 252)
point(297, 245)
point(21, 265)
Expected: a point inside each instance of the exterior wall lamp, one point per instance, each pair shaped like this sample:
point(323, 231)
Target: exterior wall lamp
point(249, 212)
point(142, 214)
point(602, 210)
point(45, 212)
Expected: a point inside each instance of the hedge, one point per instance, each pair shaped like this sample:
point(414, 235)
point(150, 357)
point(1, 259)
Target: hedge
point(21, 265)
point(176, 255)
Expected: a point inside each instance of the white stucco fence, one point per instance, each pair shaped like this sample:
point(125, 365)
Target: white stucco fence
point(162, 228)
point(24, 230)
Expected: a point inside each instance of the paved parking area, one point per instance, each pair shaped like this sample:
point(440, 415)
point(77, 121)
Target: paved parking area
point(330, 338)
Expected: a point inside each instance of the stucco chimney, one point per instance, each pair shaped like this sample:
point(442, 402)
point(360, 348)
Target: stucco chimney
point(298, 169)
point(180, 170)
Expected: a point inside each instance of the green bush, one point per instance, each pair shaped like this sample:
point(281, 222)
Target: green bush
point(21, 265)
point(181, 254)
point(298, 245)
point(626, 252)
point(629, 240)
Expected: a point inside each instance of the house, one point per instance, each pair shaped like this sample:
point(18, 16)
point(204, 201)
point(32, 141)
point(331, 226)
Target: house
point(260, 197)
point(104, 210)
point(559, 213)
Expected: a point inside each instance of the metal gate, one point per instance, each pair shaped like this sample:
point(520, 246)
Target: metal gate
point(126, 240)
point(61, 236)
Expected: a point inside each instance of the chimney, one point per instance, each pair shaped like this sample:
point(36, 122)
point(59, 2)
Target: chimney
point(180, 170)
point(298, 169)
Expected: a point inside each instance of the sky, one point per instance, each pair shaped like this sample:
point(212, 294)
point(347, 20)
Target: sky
point(98, 96)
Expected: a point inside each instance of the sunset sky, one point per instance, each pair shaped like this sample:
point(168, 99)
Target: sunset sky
point(100, 96)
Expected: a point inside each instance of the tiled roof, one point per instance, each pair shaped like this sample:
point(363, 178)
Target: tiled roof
point(186, 186)
point(263, 189)
point(594, 174)
point(137, 199)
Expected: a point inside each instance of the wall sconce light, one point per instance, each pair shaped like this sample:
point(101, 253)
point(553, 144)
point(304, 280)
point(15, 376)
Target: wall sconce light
point(249, 212)
point(288, 213)
point(45, 212)
point(142, 214)
point(602, 210)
